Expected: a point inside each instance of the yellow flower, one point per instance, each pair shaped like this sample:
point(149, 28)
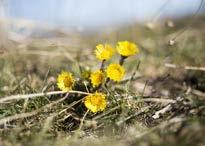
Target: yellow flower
point(115, 72)
point(97, 78)
point(126, 48)
point(65, 81)
point(104, 52)
point(95, 102)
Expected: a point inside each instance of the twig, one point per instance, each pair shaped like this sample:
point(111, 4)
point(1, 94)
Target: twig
point(162, 111)
point(198, 93)
point(26, 96)
point(161, 100)
point(185, 67)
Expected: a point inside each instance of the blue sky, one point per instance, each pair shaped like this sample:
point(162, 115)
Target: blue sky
point(95, 12)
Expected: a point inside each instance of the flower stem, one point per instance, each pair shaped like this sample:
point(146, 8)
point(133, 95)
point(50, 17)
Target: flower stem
point(102, 65)
point(122, 59)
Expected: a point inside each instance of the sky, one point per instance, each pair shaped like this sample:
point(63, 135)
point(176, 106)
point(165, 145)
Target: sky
point(92, 13)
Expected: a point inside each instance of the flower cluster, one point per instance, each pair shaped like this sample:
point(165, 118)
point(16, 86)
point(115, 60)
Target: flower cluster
point(97, 101)
point(114, 71)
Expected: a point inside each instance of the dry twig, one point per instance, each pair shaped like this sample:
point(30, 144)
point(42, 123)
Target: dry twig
point(26, 96)
point(169, 65)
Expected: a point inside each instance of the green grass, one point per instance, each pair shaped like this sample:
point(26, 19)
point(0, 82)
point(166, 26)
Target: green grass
point(128, 119)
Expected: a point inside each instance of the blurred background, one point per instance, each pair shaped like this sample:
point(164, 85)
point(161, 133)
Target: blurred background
point(26, 17)
point(92, 13)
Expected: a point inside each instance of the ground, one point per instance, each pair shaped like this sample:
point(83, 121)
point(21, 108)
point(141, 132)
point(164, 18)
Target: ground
point(161, 101)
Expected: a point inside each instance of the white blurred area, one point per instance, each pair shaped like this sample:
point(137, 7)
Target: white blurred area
point(23, 20)
point(17, 29)
point(21, 32)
